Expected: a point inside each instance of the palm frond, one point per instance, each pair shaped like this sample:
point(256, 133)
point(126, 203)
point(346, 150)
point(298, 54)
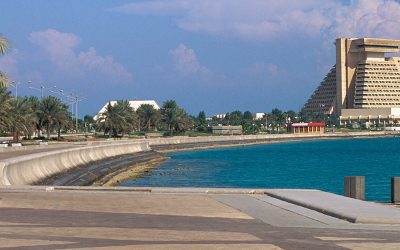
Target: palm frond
point(4, 45)
point(4, 81)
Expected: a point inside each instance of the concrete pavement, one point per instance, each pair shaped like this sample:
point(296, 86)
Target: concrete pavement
point(341, 207)
point(118, 218)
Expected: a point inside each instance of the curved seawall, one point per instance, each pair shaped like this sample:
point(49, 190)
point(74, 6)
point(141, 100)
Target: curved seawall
point(176, 140)
point(29, 169)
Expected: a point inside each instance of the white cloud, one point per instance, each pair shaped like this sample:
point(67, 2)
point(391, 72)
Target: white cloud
point(8, 64)
point(367, 19)
point(61, 49)
point(153, 7)
point(270, 19)
point(264, 68)
point(185, 61)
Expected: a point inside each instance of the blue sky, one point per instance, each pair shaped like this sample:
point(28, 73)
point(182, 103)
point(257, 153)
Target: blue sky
point(211, 55)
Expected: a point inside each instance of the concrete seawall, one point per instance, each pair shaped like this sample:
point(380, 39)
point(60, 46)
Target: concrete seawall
point(28, 169)
point(227, 138)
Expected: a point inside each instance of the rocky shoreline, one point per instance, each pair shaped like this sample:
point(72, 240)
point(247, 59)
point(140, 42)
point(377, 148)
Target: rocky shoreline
point(102, 172)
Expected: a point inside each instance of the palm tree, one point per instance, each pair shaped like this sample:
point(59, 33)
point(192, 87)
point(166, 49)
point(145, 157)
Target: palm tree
point(175, 117)
point(21, 116)
point(169, 115)
point(118, 118)
point(52, 114)
point(185, 121)
point(147, 114)
point(4, 44)
point(36, 122)
point(5, 106)
point(62, 119)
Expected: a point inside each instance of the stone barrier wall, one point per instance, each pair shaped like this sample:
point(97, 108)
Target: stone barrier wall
point(227, 138)
point(28, 169)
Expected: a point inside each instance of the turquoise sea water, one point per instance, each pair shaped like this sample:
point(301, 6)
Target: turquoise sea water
point(310, 164)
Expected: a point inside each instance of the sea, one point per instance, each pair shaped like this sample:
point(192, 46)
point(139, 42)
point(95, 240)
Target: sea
point(320, 164)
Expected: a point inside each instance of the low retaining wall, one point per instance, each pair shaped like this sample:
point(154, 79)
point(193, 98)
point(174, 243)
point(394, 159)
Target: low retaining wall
point(227, 138)
point(28, 169)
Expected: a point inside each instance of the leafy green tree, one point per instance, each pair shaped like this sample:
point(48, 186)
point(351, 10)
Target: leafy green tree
point(185, 121)
point(236, 118)
point(227, 119)
point(4, 44)
point(89, 122)
point(201, 121)
point(248, 116)
point(290, 116)
point(276, 118)
point(147, 116)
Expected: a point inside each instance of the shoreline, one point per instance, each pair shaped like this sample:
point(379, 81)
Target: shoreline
point(136, 171)
point(170, 148)
point(115, 170)
point(131, 172)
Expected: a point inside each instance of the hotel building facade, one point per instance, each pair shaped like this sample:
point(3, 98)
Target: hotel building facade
point(363, 86)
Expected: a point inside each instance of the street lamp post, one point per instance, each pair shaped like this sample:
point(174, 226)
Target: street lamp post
point(15, 85)
point(40, 88)
point(75, 100)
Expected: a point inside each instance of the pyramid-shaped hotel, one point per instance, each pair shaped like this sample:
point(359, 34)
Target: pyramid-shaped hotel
point(363, 86)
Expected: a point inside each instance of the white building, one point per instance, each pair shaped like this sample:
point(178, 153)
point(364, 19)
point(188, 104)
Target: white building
point(134, 104)
point(258, 116)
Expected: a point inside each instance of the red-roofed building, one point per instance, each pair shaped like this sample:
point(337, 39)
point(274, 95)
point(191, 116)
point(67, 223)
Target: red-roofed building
point(306, 127)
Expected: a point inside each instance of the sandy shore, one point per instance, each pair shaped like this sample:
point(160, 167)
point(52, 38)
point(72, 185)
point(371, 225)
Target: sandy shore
point(130, 173)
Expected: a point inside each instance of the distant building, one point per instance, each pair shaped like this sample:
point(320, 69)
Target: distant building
point(258, 116)
point(306, 128)
point(363, 86)
point(220, 116)
point(134, 104)
point(226, 130)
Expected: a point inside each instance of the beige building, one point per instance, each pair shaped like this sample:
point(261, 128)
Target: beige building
point(364, 85)
point(306, 127)
point(227, 130)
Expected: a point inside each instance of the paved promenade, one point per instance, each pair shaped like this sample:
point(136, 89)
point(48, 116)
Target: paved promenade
point(118, 218)
point(27, 150)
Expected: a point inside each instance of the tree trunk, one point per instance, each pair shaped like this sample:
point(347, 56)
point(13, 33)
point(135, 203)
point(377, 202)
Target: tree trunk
point(15, 135)
point(39, 130)
point(48, 132)
point(170, 130)
point(59, 133)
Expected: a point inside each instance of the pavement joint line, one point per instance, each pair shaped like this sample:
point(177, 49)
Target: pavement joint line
point(135, 189)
